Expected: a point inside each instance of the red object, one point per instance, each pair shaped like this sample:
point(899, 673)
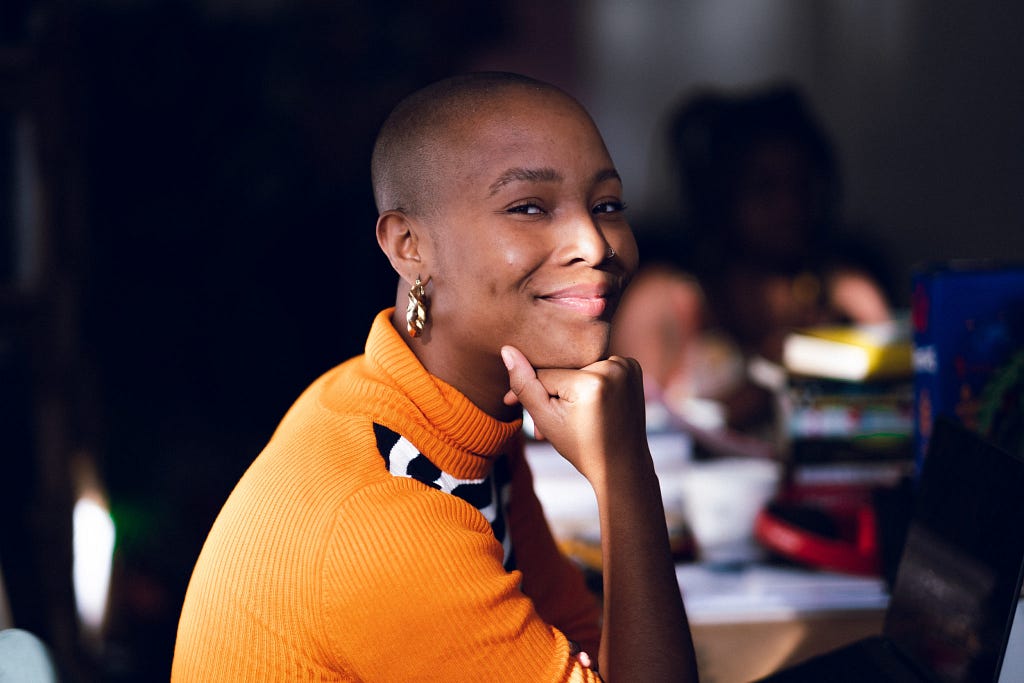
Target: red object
point(852, 548)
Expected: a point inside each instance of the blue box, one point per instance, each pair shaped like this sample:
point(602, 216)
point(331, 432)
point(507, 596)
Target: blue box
point(968, 333)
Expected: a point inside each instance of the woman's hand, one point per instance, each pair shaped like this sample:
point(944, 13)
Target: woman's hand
point(590, 415)
point(594, 417)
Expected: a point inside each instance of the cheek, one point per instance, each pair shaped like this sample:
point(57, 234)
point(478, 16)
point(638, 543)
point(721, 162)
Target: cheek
point(517, 262)
point(495, 271)
point(515, 253)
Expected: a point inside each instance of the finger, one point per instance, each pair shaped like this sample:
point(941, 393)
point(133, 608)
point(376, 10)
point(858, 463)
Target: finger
point(623, 362)
point(523, 382)
point(630, 366)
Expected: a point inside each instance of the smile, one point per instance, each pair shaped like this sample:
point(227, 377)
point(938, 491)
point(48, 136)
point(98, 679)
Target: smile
point(591, 301)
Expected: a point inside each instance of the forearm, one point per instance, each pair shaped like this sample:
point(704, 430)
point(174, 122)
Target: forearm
point(594, 417)
point(646, 636)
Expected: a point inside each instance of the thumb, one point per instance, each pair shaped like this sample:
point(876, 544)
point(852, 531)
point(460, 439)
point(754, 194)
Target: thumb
point(522, 378)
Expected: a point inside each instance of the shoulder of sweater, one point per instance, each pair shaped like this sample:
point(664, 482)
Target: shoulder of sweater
point(349, 389)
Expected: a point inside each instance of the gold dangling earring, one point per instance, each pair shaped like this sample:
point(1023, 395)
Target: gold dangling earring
point(416, 312)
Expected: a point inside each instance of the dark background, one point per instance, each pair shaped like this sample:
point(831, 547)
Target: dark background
point(202, 243)
point(207, 249)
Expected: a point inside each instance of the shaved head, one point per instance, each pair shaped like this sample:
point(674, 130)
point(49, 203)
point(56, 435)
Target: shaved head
point(418, 143)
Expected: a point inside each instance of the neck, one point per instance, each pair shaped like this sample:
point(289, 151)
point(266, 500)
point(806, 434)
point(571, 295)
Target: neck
point(484, 383)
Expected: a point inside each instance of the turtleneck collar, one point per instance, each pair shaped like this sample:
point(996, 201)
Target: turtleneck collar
point(439, 419)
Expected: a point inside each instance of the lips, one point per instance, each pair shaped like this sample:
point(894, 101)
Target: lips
point(591, 300)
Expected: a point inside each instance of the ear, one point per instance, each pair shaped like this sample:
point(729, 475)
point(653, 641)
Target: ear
point(399, 236)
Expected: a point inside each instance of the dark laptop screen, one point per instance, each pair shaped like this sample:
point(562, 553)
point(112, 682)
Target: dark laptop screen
point(960, 574)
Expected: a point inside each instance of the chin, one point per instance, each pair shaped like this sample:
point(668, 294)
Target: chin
point(572, 352)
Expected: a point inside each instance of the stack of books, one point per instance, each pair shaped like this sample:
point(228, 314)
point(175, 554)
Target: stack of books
point(847, 404)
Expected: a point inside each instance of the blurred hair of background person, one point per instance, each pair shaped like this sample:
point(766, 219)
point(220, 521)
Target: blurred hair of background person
point(756, 256)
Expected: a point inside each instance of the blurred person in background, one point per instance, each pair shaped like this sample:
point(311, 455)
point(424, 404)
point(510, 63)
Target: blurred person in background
point(757, 256)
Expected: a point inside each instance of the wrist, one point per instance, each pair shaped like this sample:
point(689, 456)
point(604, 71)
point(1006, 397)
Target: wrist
point(625, 472)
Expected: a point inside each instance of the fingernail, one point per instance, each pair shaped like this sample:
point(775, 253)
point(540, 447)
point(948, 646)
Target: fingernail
point(506, 356)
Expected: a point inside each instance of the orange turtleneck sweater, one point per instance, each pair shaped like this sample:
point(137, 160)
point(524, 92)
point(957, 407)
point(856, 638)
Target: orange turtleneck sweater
point(388, 531)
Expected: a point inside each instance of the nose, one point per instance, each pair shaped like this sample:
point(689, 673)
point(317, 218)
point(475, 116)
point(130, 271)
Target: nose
point(584, 241)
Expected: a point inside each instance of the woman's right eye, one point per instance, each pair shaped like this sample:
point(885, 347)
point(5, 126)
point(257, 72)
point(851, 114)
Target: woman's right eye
point(526, 208)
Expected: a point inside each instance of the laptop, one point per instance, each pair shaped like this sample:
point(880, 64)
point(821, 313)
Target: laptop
point(959, 577)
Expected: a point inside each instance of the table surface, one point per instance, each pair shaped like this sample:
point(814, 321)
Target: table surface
point(748, 621)
point(741, 652)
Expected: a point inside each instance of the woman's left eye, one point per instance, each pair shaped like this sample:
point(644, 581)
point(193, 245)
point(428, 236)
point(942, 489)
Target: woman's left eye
point(609, 207)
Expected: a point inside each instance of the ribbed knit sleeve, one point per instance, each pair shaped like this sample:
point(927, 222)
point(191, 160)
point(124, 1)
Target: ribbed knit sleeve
point(324, 566)
point(555, 584)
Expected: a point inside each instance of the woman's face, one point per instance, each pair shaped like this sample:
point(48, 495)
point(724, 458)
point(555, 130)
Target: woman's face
point(520, 243)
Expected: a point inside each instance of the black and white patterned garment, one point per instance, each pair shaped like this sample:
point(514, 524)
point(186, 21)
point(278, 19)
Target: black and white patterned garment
point(488, 495)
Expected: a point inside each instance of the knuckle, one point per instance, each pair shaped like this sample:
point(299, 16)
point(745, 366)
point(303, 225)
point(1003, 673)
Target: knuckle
point(594, 385)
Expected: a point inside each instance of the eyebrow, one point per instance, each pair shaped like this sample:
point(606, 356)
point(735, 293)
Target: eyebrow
point(528, 175)
point(607, 174)
point(548, 175)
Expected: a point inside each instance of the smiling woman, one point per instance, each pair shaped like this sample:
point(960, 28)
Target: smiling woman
point(389, 530)
point(515, 237)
